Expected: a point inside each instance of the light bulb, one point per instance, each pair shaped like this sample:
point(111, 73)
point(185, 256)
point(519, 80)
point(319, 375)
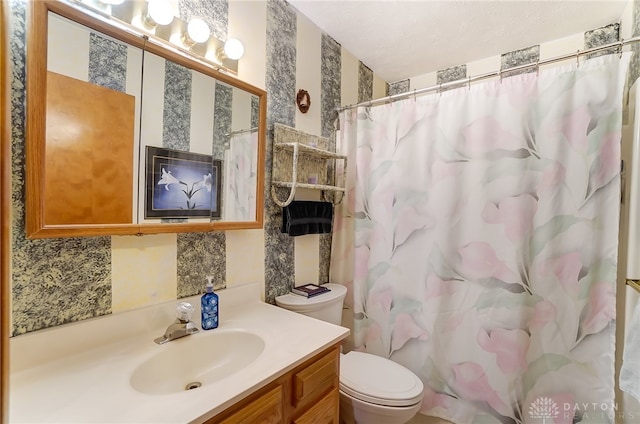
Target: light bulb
point(159, 12)
point(233, 49)
point(198, 30)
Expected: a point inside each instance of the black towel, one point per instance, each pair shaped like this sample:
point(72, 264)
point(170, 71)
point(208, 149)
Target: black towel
point(307, 217)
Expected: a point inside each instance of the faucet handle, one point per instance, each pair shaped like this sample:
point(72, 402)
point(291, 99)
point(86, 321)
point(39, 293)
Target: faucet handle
point(184, 311)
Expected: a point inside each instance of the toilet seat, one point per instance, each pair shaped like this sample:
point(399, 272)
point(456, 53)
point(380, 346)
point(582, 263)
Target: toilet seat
point(378, 380)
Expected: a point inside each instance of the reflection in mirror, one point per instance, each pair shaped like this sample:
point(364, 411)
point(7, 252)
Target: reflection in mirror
point(93, 97)
point(242, 162)
point(187, 117)
point(115, 98)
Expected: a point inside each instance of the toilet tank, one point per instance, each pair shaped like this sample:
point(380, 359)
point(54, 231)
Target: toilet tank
point(326, 306)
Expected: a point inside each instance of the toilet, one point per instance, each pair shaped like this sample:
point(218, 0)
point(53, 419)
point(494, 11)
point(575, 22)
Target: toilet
point(373, 390)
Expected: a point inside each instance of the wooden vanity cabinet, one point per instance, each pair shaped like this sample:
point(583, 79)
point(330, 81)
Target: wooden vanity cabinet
point(265, 408)
point(325, 411)
point(308, 394)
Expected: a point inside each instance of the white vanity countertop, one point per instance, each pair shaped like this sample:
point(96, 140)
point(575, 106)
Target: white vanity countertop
point(79, 373)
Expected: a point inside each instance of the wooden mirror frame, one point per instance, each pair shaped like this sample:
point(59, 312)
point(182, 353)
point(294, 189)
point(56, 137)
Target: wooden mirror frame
point(36, 127)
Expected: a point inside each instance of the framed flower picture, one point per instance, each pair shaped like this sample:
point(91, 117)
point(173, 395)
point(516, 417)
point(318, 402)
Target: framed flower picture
point(181, 184)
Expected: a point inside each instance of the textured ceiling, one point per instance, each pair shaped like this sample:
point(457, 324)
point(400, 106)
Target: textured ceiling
point(403, 39)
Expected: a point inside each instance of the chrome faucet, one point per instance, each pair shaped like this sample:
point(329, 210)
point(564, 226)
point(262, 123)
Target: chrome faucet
point(182, 326)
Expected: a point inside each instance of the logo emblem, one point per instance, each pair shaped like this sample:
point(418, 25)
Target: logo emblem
point(545, 408)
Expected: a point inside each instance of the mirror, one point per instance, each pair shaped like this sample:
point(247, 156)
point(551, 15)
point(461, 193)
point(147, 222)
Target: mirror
point(134, 136)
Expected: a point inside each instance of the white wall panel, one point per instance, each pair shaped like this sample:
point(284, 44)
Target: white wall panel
point(349, 79)
point(248, 23)
point(143, 270)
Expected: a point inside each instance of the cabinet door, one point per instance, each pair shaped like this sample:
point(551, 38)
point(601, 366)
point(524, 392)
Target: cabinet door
point(316, 378)
point(266, 409)
point(326, 411)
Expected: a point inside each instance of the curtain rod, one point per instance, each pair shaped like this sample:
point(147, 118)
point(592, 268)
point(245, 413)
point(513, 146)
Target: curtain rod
point(635, 284)
point(241, 131)
point(499, 73)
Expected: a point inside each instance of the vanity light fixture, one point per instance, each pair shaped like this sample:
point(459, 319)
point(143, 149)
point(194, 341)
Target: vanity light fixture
point(233, 49)
point(162, 21)
point(197, 32)
point(159, 12)
point(104, 5)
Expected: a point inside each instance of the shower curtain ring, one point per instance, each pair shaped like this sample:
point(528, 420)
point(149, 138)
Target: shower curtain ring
point(469, 83)
point(538, 68)
point(440, 88)
point(621, 45)
point(577, 58)
point(415, 96)
point(500, 75)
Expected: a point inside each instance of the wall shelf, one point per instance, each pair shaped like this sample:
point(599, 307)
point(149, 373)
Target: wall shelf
point(304, 149)
point(296, 163)
point(309, 186)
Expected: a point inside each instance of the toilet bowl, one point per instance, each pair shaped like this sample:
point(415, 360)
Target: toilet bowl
point(376, 390)
point(373, 389)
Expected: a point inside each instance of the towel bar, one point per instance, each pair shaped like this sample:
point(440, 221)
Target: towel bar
point(635, 284)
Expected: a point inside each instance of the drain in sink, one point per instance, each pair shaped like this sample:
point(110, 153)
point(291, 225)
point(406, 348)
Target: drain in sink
point(193, 385)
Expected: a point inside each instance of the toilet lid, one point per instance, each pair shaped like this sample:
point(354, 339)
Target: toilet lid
point(296, 303)
point(378, 380)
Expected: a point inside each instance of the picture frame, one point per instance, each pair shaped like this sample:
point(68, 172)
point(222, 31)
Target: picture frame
point(181, 184)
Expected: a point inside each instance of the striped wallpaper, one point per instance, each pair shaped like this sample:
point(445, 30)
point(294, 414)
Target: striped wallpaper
point(56, 281)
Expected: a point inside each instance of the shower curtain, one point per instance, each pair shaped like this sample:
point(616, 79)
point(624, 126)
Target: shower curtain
point(240, 177)
point(478, 241)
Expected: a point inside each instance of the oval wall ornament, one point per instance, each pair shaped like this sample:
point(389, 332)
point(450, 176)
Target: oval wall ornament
point(303, 100)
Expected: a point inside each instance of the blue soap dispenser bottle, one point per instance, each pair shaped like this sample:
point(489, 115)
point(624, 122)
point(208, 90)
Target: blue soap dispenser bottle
point(209, 304)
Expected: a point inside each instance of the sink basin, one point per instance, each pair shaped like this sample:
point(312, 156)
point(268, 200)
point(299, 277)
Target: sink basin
point(192, 361)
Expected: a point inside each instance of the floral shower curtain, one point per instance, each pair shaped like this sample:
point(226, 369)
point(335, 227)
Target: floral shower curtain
point(479, 240)
point(241, 177)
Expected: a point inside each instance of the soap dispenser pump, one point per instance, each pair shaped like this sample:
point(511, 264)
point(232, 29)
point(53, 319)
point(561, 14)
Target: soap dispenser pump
point(209, 305)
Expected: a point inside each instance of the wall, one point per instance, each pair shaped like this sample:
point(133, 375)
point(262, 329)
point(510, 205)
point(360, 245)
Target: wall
point(627, 27)
point(56, 281)
point(527, 55)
